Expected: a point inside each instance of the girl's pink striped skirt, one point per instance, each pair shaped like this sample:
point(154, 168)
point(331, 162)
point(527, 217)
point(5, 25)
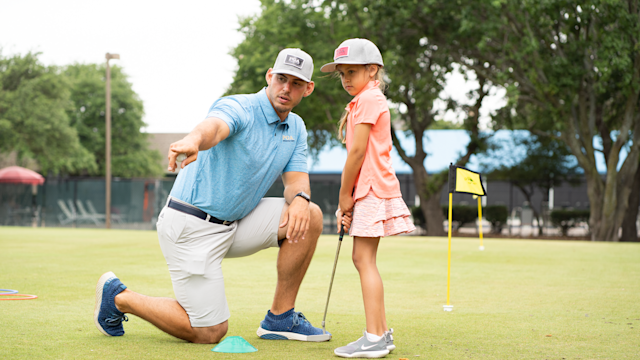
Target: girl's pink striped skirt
point(375, 217)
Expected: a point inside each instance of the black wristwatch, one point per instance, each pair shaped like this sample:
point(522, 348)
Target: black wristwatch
point(303, 195)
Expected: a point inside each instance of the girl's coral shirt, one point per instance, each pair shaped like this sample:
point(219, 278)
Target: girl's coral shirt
point(369, 106)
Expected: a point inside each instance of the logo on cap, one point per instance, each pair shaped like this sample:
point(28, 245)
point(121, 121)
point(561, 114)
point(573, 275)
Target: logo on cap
point(294, 61)
point(341, 52)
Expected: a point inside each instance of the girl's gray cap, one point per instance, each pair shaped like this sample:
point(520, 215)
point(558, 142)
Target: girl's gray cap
point(294, 62)
point(354, 51)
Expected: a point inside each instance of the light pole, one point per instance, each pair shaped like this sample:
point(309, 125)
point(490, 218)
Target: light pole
point(107, 115)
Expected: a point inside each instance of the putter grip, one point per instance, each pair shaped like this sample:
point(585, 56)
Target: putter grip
point(341, 231)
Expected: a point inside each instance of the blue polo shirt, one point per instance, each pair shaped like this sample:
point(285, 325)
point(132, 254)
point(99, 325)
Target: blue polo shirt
point(228, 180)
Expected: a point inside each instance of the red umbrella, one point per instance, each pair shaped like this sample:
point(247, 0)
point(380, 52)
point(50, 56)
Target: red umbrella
point(20, 175)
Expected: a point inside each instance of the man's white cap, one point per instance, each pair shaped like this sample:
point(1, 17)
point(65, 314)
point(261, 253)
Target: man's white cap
point(354, 51)
point(294, 62)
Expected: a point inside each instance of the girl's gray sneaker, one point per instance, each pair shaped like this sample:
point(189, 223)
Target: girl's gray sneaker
point(363, 348)
point(389, 340)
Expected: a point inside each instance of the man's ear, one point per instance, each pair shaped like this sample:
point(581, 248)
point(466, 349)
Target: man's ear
point(310, 87)
point(268, 76)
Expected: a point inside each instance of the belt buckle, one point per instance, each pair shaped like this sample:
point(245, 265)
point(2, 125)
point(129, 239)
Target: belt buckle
point(225, 222)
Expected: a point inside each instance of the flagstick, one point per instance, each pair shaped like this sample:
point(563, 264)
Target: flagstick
point(449, 307)
point(480, 221)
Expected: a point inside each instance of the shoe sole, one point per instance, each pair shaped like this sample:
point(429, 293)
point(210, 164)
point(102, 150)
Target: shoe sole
point(287, 335)
point(391, 348)
point(99, 287)
point(362, 354)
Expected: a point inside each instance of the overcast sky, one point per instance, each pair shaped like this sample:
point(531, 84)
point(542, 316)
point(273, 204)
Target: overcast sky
point(175, 53)
point(177, 56)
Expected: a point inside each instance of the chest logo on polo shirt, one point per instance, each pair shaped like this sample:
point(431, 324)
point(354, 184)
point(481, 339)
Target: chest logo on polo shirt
point(288, 138)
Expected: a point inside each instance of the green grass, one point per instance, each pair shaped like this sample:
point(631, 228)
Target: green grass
point(516, 300)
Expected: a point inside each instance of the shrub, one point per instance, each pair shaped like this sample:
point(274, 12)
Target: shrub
point(567, 219)
point(462, 214)
point(497, 215)
point(418, 216)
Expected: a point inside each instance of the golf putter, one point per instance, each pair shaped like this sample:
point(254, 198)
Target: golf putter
point(335, 263)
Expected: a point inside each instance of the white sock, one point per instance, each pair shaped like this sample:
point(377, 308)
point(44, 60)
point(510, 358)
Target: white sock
point(372, 337)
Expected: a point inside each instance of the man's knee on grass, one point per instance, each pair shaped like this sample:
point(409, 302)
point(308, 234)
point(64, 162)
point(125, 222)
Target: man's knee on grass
point(210, 335)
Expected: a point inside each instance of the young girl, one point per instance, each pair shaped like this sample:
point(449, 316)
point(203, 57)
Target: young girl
point(370, 192)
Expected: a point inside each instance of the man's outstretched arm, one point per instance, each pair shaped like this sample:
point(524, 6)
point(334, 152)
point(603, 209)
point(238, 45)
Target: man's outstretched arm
point(203, 137)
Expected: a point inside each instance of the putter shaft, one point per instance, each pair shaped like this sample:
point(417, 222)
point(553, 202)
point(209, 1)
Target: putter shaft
point(335, 263)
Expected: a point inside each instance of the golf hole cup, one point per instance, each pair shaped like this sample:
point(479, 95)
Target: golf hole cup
point(181, 157)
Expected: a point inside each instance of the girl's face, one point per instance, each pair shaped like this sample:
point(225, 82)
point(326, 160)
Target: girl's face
point(356, 77)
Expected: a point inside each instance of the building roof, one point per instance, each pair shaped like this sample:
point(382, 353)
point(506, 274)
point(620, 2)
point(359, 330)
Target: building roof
point(442, 147)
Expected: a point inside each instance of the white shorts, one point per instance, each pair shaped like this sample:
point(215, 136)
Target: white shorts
point(194, 249)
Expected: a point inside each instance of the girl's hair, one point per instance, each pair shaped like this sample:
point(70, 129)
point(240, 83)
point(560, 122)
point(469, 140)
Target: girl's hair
point(379, 76)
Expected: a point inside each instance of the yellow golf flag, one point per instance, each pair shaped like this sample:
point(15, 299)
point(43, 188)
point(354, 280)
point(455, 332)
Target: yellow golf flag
point(465, 181)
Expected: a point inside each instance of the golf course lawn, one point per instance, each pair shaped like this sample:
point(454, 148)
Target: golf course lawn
point(517, 299)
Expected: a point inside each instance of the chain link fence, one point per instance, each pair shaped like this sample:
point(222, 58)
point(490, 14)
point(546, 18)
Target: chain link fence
point(135, 203)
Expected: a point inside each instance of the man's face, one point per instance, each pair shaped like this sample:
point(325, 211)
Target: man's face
point(286, 91)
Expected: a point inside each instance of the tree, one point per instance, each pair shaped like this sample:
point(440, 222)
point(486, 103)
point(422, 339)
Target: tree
point(130, 153)
point(572, 73)
point(548, 163)
point(33, 120)
point(629, 227)
point(294, 24)
point(415, 70)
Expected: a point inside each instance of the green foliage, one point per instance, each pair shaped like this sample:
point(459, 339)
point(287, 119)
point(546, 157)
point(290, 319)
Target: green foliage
point(56, 117)
point(462, 214)
point(130, 153)
point(33, 122)
point(415, 71)
point(295, 24)
point(497, 215)
point(548, 163)
point(567, 219)
point(445, 125)
point(572, 72)
point(418, 216)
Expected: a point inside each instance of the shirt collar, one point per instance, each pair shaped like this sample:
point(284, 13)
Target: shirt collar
point(370, 85)
point(269, 112)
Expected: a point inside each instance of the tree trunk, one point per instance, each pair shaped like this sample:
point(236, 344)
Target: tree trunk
point(609, 203)
point(629, 227)
point(433, 215)
point(429, 203)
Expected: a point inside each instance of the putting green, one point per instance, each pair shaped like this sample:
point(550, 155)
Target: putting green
point(517, 299)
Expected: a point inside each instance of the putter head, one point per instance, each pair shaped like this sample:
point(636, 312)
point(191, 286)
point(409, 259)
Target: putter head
point(319, 338)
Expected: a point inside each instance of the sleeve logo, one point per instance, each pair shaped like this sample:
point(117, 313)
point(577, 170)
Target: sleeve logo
point(294, 61)
point(341, 52)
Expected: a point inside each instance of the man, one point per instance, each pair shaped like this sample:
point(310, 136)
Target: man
point(216, 209)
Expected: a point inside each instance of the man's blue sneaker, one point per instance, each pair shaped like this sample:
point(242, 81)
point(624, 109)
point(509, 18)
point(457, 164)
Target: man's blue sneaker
point(290, 325)
point(107, 317)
